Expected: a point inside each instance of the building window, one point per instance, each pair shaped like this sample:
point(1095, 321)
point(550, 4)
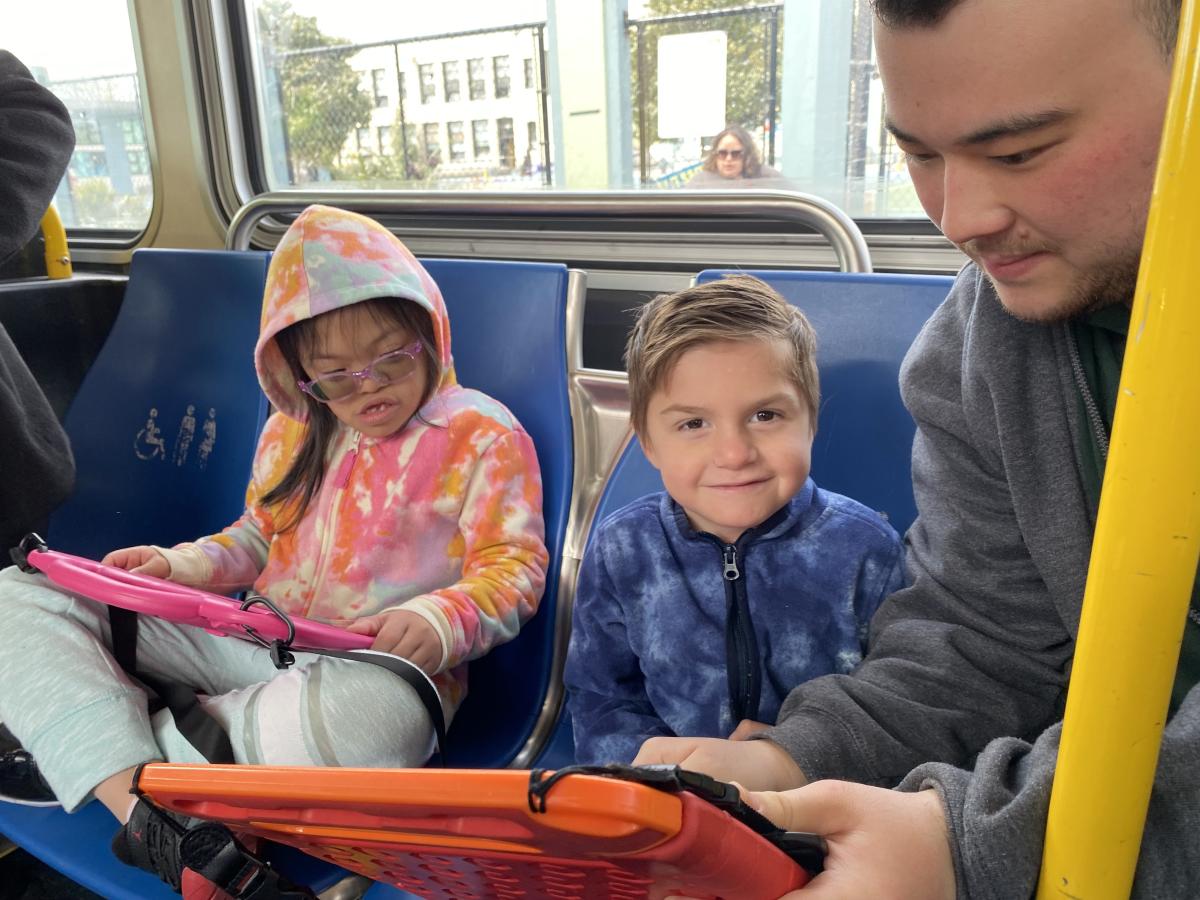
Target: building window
point(475, 75)
point(450, 81)
point(504, 137)
point(362, 137)
point(433, 143)
point(385, 139)
point(133, 133)
point(528, 72)
point(139, 162)
point(89, 164)
point(428, 88)
point(378, 87)
point(458, 146)
point(500, 72)
point(531, 131)
point(480, 138)
point(87, 130)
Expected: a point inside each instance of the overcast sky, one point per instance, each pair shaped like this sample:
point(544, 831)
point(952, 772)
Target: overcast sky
point(92, 37)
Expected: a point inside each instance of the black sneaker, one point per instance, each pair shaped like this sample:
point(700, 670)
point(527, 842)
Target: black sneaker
point(150, 841)
point(21, 782)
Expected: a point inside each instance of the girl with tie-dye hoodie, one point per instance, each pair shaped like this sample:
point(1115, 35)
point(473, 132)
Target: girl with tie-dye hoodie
point(385, 497)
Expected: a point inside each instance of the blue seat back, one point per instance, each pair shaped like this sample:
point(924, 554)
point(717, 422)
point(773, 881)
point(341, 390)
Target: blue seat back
point(164, 424)
point(508, 333)
point(184, 337)
point(863, 449)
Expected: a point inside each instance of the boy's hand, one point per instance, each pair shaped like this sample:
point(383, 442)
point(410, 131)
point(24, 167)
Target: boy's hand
point(759, 765)
point(881, 843)
point(142, 560)
point(403, 633)
point(747, 727)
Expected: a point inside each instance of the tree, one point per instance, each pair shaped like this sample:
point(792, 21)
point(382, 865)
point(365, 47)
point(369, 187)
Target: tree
point(747, 85)
point(320, 93)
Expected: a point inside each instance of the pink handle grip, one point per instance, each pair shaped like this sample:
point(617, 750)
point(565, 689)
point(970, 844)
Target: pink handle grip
point(185, 605)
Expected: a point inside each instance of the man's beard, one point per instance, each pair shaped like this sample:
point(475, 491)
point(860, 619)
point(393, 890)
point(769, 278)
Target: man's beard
point(1108, 283)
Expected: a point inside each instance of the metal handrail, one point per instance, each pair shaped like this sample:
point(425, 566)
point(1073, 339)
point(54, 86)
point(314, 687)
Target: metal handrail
point(1144, 553)
point(783, 206)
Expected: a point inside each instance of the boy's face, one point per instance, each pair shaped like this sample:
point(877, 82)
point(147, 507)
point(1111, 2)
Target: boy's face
point(730, 434)
point(1032, 131)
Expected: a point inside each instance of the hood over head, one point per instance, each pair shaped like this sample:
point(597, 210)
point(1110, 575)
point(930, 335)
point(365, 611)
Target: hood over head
point(329, 259)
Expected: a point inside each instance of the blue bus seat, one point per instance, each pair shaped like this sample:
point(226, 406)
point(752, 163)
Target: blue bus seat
point(508, 324)
point(865, 324)
point(164, 424)
point(184, 337)
point(508, 331)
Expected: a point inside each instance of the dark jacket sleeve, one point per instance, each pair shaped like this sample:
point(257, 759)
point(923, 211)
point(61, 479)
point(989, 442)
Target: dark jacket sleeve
point(975, 648)
point(36, 141)
point(36, 467)
point(611, 715)
point(997, 813)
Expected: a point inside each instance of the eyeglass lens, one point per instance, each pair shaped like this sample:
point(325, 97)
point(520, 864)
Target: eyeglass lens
point(730, 154)
point(389, 368)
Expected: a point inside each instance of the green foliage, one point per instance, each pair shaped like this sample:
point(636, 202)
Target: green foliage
point(747, 85)
point(322, 100)
point(395, 169)
point(95, 204)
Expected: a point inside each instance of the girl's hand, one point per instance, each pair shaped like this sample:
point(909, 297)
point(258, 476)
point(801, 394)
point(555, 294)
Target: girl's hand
point(403, 633)
point(142, 560)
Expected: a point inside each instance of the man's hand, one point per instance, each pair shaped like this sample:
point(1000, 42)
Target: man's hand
point(747, 727)
point(758, 765)
point(881, 843)
point(142, 560)
point(403, 633)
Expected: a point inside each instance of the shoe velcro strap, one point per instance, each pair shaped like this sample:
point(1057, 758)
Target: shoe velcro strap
point(211, 851)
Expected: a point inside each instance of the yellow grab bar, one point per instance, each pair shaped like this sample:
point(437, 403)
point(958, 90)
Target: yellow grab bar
point(1147, 537)
point(58, 255)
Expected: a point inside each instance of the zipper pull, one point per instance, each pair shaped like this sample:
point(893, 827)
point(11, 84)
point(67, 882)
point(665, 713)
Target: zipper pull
point(730, 571)
point(343, 473)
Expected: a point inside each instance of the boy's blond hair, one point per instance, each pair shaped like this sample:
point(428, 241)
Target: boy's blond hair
point(736, 308)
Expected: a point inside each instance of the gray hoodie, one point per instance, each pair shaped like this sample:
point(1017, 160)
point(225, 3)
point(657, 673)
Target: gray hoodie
point(968, 667)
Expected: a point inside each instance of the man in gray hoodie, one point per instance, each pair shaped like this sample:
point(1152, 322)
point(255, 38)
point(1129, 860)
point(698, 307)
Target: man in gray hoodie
point(1031, 131)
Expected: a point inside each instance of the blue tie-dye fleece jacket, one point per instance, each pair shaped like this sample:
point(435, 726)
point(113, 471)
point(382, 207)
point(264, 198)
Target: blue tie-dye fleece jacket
point(676, 632)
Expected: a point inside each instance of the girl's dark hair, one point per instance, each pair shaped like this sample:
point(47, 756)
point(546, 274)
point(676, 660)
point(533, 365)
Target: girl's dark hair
point(751, 160)
point(302, 481)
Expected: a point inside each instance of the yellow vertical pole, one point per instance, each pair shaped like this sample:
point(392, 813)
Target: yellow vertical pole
point(1147, 538)
point(58, 256)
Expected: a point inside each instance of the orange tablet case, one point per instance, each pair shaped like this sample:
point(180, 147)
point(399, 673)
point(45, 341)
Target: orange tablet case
point(462, 834)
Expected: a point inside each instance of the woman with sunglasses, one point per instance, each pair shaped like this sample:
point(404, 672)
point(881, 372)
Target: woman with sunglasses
point(385, 497)
point(733, 161)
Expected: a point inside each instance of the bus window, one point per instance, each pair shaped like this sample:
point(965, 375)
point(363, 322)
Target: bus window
point(575, 95)
point(90, 65)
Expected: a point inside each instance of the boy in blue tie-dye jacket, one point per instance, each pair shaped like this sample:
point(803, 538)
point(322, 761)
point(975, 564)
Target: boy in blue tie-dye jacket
point(699, 608)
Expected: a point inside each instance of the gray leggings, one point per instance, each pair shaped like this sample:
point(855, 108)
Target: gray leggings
point(84, 719)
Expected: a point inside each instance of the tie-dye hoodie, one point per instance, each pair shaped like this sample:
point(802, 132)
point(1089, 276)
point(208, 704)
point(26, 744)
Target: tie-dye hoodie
point(443, 518)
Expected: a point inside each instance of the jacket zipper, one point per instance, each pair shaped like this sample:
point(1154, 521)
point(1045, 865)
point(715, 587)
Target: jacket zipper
point(741, 645)
point(1097, 423)
point(1089, 402)
point(341, 479)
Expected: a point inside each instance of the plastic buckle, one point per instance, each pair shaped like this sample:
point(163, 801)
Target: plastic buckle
point(280, 649)
point(20, 553)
